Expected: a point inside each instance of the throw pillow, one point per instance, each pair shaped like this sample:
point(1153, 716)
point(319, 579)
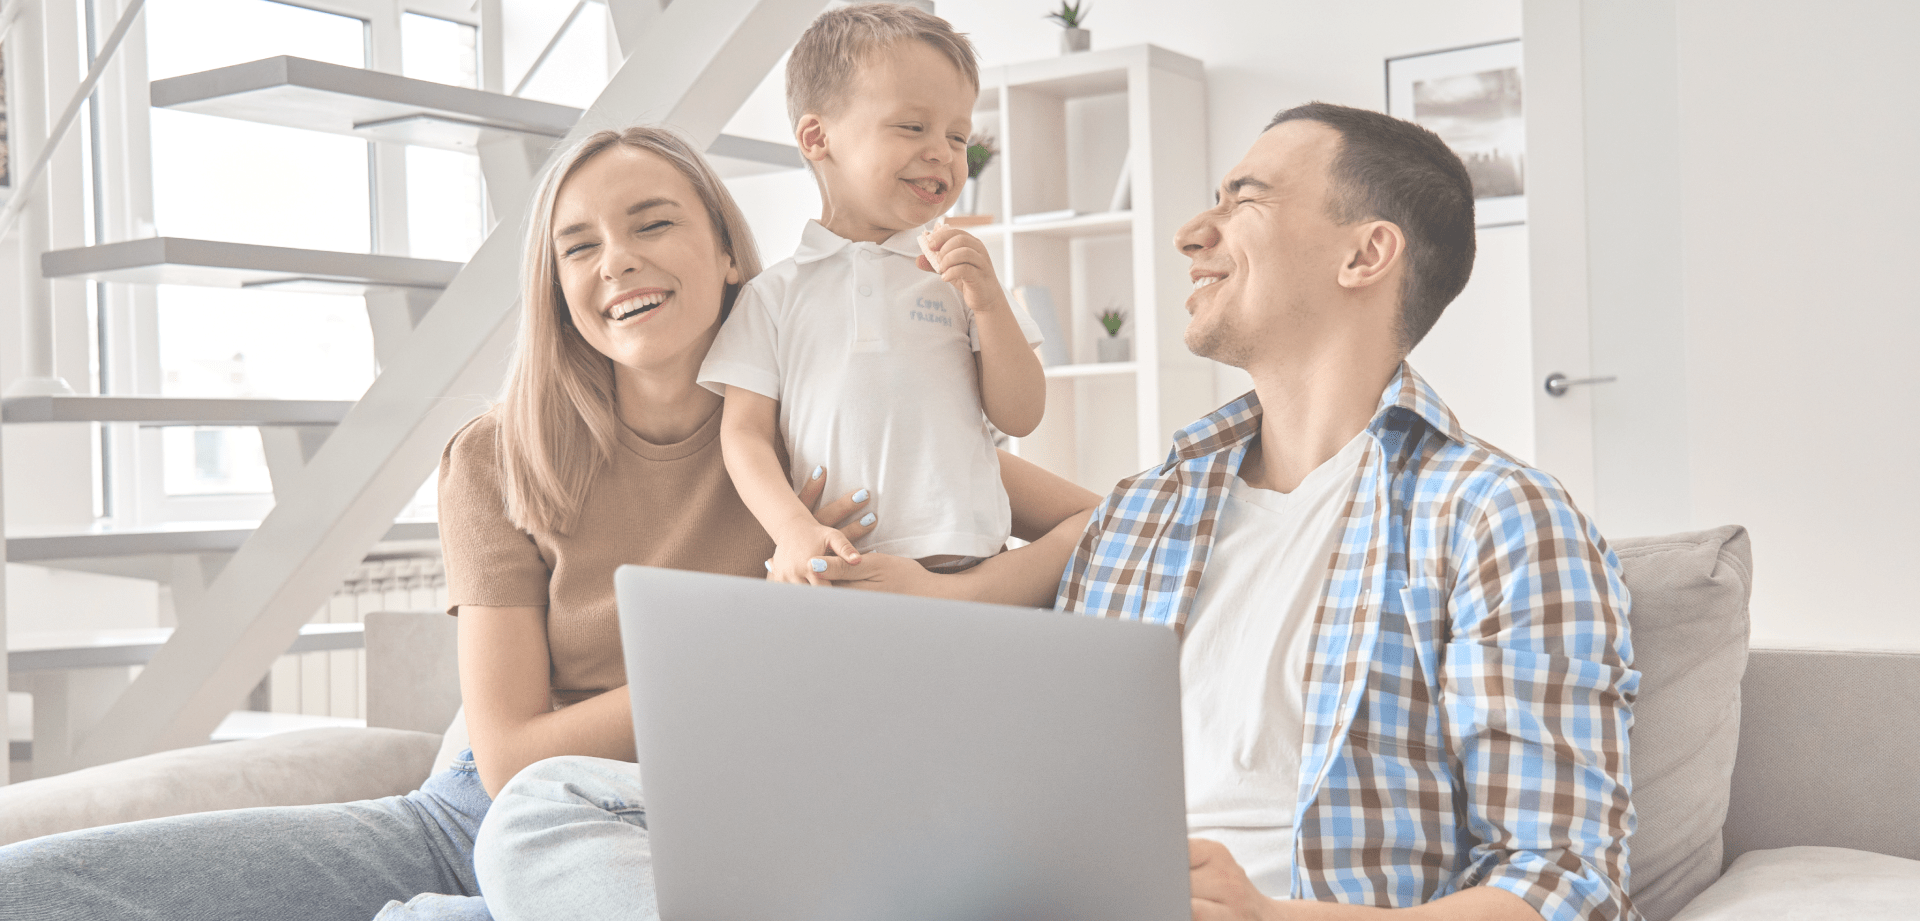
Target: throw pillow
point(1689, 630)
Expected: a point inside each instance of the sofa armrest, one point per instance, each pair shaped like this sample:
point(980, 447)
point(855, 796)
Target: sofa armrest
point(289, 769)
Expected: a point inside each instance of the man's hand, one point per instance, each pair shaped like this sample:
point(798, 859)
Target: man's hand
point(1221, 889)
point(961, 261)
point(1222, 892)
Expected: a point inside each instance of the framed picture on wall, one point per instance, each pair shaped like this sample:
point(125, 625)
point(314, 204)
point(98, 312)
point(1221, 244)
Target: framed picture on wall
point(1470, 97)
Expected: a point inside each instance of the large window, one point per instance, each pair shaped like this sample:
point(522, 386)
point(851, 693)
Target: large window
point(227, 179)
point(446, 207)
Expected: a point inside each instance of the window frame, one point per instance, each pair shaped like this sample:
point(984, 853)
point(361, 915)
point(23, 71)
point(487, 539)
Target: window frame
point(127, 332)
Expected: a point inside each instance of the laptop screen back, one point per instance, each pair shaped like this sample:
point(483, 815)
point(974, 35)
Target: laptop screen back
point(839, 755)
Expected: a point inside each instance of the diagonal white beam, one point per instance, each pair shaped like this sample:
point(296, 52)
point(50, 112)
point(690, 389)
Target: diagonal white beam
point(698, 66)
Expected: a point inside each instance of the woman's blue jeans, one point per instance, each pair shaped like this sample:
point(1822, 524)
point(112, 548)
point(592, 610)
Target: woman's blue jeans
point(401, 857)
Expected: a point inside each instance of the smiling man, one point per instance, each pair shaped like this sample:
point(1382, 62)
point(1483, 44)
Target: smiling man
point(1406, 675)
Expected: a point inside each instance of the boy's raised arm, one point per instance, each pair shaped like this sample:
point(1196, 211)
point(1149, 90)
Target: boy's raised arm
point(748, 424)
point(1013, 388)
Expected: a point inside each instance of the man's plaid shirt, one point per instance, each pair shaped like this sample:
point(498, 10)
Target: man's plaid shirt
point(1470, 678)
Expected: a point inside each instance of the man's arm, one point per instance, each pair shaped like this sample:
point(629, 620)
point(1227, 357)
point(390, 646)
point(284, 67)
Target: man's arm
point(1222, 892)
point(1537, 686)
point(1048, 510)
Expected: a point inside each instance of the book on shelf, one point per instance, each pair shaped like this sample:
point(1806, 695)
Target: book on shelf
point(1038, 302)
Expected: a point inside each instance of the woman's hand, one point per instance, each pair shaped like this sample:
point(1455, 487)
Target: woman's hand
point(809, 549)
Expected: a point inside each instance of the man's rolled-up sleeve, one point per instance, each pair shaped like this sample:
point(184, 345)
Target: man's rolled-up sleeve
point(1538, 686)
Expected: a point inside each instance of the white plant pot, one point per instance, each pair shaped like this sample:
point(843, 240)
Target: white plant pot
point(1075, 40)
point(969, 202)
point(1113, 348)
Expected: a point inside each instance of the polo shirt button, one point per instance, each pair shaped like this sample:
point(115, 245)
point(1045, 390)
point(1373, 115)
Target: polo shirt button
point(866, 291)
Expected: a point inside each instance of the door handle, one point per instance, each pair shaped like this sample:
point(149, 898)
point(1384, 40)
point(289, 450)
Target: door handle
point(1558, 383)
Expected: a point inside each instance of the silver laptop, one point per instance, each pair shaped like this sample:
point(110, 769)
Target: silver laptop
point(815, 754)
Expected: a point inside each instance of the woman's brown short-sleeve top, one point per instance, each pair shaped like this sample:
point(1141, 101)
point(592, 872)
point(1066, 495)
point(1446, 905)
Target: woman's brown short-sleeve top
point(671, 506)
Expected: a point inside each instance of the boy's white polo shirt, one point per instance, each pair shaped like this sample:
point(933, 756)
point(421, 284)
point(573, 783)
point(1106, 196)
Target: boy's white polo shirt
point(872, 360)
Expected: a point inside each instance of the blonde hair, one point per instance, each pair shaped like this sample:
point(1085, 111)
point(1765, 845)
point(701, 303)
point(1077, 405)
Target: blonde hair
point(559, 426)
point(831, 52)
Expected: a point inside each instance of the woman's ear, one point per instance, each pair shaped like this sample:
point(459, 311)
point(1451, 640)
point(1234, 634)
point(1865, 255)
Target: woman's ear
point(733, 272)
point(810, 134)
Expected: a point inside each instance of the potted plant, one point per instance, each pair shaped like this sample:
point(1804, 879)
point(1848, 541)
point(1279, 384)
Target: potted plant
point(1113, 346)
point(1072, 37)
point(981, 149)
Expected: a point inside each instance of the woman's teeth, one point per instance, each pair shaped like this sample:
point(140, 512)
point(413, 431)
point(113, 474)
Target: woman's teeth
point(639, 305)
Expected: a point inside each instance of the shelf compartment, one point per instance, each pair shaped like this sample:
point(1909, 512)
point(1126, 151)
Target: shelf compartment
point(1092, 369)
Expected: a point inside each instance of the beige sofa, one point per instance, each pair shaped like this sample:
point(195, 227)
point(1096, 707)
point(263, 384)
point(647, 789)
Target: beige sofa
point(1770, 784)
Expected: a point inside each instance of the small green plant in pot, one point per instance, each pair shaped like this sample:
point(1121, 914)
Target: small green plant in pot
point(1074, 37)
point(1113, 347)
point(981, 149)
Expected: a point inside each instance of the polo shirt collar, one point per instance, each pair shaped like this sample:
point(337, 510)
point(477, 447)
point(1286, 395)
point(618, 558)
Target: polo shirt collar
point(817, 243)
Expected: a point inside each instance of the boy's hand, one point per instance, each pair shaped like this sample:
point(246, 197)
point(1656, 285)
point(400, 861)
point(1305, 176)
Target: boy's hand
point(961, 261)
point(801, 549)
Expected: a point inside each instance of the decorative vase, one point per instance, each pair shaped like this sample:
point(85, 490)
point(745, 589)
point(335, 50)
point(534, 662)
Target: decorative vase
point(1074, 40)
point(1113, 348)
point(969, 202)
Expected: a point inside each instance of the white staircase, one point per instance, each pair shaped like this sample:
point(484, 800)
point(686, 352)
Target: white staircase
point(243, 592)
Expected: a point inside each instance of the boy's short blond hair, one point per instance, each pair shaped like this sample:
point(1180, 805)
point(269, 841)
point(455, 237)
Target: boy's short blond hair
point(821, 69)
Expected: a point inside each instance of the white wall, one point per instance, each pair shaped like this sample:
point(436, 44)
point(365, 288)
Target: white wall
point(1800, 131)
point(1740, 236)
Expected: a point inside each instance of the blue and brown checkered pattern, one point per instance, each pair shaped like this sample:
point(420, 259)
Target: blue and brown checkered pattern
point(1469, 685)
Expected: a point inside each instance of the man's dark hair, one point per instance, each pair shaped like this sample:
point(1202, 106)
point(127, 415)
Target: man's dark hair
point(1394, 170)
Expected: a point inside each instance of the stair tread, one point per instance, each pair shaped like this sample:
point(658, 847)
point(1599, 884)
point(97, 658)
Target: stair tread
point(224, 264)
point(61, 649)
point(156, 410)
point(183, 537)
point(317, 96)
point(299, 93)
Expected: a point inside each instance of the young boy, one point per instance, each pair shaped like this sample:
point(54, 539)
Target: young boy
point(874, 367)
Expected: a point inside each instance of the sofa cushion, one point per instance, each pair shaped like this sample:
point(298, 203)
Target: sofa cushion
point(1689, 630)
point(288, 769)
point(1811, 884)
point(1829, 740)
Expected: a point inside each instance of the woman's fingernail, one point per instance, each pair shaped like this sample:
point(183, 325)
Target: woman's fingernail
point(866, 520)
point(769, 565)
point(817, 471)
point(861, 496)
point(819, 565)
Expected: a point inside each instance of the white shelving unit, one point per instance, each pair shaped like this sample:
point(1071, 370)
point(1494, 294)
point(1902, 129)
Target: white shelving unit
point(1066, 126)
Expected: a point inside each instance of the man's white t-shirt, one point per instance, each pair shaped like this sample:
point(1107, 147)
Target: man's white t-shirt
point(1243, 663)
point(872, 360)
